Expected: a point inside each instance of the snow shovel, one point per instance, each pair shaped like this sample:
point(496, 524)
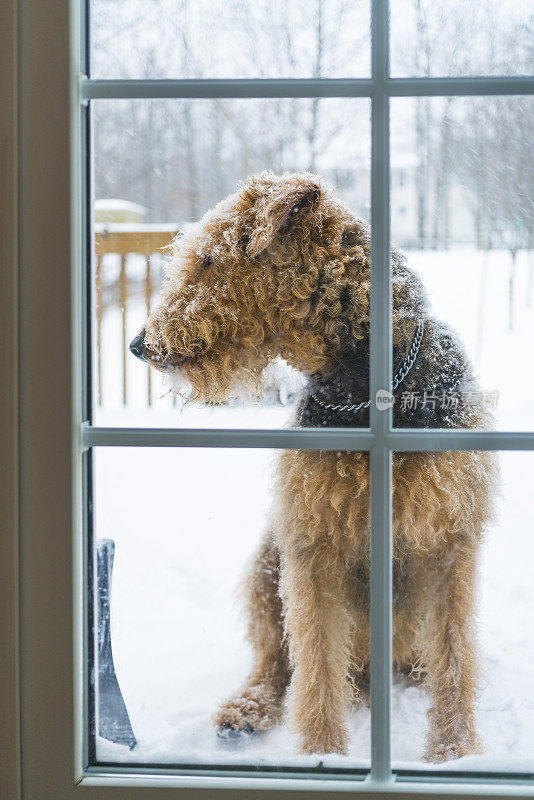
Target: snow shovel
point(113, 720)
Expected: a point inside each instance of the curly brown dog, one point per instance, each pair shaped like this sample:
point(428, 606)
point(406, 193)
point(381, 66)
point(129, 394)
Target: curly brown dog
point(281, 268)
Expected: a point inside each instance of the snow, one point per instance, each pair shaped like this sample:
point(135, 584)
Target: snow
point(116, 210)
point(186, 521)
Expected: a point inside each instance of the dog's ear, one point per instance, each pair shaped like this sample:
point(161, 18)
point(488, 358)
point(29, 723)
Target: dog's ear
point(280, 211)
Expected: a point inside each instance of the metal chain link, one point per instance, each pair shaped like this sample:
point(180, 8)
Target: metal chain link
point(410, 360)
point(397, 380)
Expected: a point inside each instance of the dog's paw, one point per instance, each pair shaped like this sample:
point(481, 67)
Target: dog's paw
point(438, 753)
point(227, 734)
point(254, 710)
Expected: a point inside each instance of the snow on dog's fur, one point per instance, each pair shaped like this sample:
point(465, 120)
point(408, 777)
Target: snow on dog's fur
point(281, 269)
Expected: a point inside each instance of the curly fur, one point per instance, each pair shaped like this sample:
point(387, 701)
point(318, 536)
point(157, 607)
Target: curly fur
point(281, 268)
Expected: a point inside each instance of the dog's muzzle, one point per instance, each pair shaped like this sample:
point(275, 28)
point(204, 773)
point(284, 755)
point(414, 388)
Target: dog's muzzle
point(137, 346)
point(139, 350)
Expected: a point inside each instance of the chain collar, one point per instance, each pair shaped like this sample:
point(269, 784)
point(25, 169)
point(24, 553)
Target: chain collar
point(397, 379)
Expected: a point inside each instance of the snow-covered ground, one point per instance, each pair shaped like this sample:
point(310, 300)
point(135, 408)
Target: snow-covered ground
point(185, 522)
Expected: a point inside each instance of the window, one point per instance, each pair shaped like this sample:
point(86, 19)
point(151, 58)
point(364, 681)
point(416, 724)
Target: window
point(46, 586)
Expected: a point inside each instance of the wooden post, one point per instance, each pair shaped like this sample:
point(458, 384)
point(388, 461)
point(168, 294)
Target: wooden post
point(123, 295)
point(146, 241)
point(99, 315)
point(148, 296)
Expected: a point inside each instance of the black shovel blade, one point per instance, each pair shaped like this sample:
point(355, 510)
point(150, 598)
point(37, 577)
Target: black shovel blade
point(113, 720)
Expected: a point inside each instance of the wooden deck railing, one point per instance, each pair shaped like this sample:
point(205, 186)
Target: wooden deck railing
point(123, 239)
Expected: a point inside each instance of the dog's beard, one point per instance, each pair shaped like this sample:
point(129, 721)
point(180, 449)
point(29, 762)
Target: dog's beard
point(176, 379)
point(245, 384)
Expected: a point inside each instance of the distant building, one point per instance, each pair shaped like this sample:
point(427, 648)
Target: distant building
point(451, 224)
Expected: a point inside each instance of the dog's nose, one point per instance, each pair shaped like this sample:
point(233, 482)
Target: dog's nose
point(137, 346)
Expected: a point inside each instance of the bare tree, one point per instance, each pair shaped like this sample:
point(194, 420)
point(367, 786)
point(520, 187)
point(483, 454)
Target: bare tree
point(178, 157)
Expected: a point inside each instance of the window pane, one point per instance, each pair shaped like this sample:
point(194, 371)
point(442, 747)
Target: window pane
point(463, 215)
point(197, 548)
point(159, 165)
point(230, 39)
point(461, 37)
point(464, 591)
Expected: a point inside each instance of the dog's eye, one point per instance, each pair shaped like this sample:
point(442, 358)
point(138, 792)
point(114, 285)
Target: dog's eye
point(244, 241)
point(207, 261)
point(349, 239)
point(300, 206)
point(303, 205)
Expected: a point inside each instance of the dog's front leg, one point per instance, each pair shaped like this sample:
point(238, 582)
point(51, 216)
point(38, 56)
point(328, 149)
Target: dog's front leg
point(258, 705)
point(318, 629)
point(449, 655)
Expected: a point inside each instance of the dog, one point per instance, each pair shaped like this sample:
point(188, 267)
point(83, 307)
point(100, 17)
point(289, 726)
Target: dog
point(281, 268)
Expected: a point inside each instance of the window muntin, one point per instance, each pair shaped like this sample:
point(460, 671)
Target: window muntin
point(178, 626)
point(383, 440)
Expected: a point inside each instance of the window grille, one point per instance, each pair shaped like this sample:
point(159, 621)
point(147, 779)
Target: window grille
point(380, 440)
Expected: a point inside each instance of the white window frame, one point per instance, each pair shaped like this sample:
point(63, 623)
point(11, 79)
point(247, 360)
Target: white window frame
point(48, 436)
